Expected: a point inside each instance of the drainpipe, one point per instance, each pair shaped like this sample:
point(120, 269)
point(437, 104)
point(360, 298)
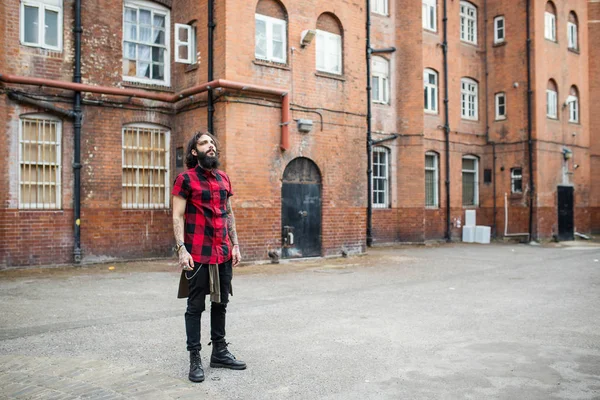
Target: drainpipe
point(77, 138)
point(211, 43)
point(529, 123)
point(369, 140)
point(487, 114)
point(446, 119)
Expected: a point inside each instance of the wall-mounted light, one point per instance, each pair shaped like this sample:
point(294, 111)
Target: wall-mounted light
point(305, 125)
point(567, 153)
point(307, 37)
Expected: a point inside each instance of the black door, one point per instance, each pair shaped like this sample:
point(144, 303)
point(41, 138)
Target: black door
point(301, 209)
point(566, 223)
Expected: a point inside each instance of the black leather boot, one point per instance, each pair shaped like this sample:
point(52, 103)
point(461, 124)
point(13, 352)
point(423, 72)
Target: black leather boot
point(196, 371)
point(222, 358)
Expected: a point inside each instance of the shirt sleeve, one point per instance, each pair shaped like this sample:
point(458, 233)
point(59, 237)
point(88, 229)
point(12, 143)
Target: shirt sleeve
point(181, 186)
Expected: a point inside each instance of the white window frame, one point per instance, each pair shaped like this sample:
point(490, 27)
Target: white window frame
point(572, 38)
point(42, 6)
point(551, 104)
point(386, 178)
point(550, 26)
point(500, 103)
point(325, 47)
point(380, 76)
point(436, 180)
point(137, 184)
point(431, 91)
point(270, 24)
point(379, 7)
point(57, 205)
point(429, 14)
point(468, 22)
point(514, 176)
point(154, 9)
point(499, 31)
point(573, 102)
point(469, 99)
point(475, 173)
point(190, 44)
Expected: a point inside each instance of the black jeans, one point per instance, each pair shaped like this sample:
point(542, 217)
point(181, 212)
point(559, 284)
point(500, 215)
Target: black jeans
point(199, 288)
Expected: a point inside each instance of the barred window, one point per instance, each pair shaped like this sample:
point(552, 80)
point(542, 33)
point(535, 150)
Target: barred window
point(39, 163)
point(145, 166)
point(431, 180)
point(380, 179)
point(470, 181)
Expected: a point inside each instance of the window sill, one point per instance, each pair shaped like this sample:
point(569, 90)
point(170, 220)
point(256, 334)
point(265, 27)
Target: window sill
point(41, 51)
point(432, 208)
point(500, 119)
point(431, 113)
point(431, 31)
point(380, 103)
point(38, 210)
point(551, 118)
point(150, 86)
point(469, 120)
point(516, 195)
point(574, 123)
point(379, 14)
point(191, 67)
point(551, 40)
point(499, 44)
point(575, 51)
point(472, 44)
point(330, 76)
point(382, 208)
point(471, 207)
point(271, 64)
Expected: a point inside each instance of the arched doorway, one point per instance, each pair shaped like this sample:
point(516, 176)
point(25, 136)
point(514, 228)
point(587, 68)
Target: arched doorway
point(301, 209)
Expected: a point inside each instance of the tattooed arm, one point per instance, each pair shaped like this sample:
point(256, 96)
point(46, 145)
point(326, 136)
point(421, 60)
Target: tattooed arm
point(185, 259)
point(235, 252)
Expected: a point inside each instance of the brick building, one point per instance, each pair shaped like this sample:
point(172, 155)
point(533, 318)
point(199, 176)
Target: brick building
point(283, 86)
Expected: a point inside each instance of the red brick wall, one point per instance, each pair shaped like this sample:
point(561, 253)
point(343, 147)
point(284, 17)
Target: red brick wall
point(594, 87)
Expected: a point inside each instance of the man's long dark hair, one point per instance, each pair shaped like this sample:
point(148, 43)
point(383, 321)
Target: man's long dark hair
point(191, 160)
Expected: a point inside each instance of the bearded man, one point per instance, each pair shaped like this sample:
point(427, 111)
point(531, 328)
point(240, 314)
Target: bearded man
point(207, 246)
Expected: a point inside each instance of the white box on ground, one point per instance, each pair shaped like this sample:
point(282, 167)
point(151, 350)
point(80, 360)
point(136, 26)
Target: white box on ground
point(482, 234)
point(468, 234)
point(470, 218)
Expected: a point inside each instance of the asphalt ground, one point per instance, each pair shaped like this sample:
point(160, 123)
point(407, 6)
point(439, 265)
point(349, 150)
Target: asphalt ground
point(500, 321)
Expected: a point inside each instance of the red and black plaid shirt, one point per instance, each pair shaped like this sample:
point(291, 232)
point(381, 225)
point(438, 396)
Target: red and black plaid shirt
point(205, 234)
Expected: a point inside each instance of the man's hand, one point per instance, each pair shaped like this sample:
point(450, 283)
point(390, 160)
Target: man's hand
point(185, 260)
point(237, 256)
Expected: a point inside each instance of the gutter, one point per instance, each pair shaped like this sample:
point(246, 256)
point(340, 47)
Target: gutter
point(529, 122)
point(446, 120)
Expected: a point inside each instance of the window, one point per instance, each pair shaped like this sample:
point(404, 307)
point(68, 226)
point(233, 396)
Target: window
point(379, 6)
point(39, 162)
point(551, 100)
point(516, 180)
point(185, 44)
point(500, 106)
point(146, 43)
point(430, 15)
point(41, 24)
point(573, 102)
point(550, 22)
point(329, 52)
point(145, 166)
point(499, 30)
point(270, 39)
point(380, 177)
point(572, 38)
point(468, 99)
point(468, 22)
point(431, 180)
point(430, 82)
point(380, 81)
point(470, 181)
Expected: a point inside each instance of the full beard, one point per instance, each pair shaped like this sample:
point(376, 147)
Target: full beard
point(208, 162)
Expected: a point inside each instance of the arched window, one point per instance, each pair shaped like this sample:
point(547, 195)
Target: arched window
point(551, 100)
point(146, 165)
point(381, 177)
point(470, 181)
point(146, 42)
point(329, 44)
point(573, 32)
point(40, 162)
point(469, 108)
point(550, 22)
point(380, 80)
point(573, 102)
point(42, 23)
point(430, 89)
point(432, 179)
point(270, 31)
point(468, 22)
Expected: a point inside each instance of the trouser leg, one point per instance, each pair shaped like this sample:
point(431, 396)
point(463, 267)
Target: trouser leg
point(195, 307)
point(218, 311)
